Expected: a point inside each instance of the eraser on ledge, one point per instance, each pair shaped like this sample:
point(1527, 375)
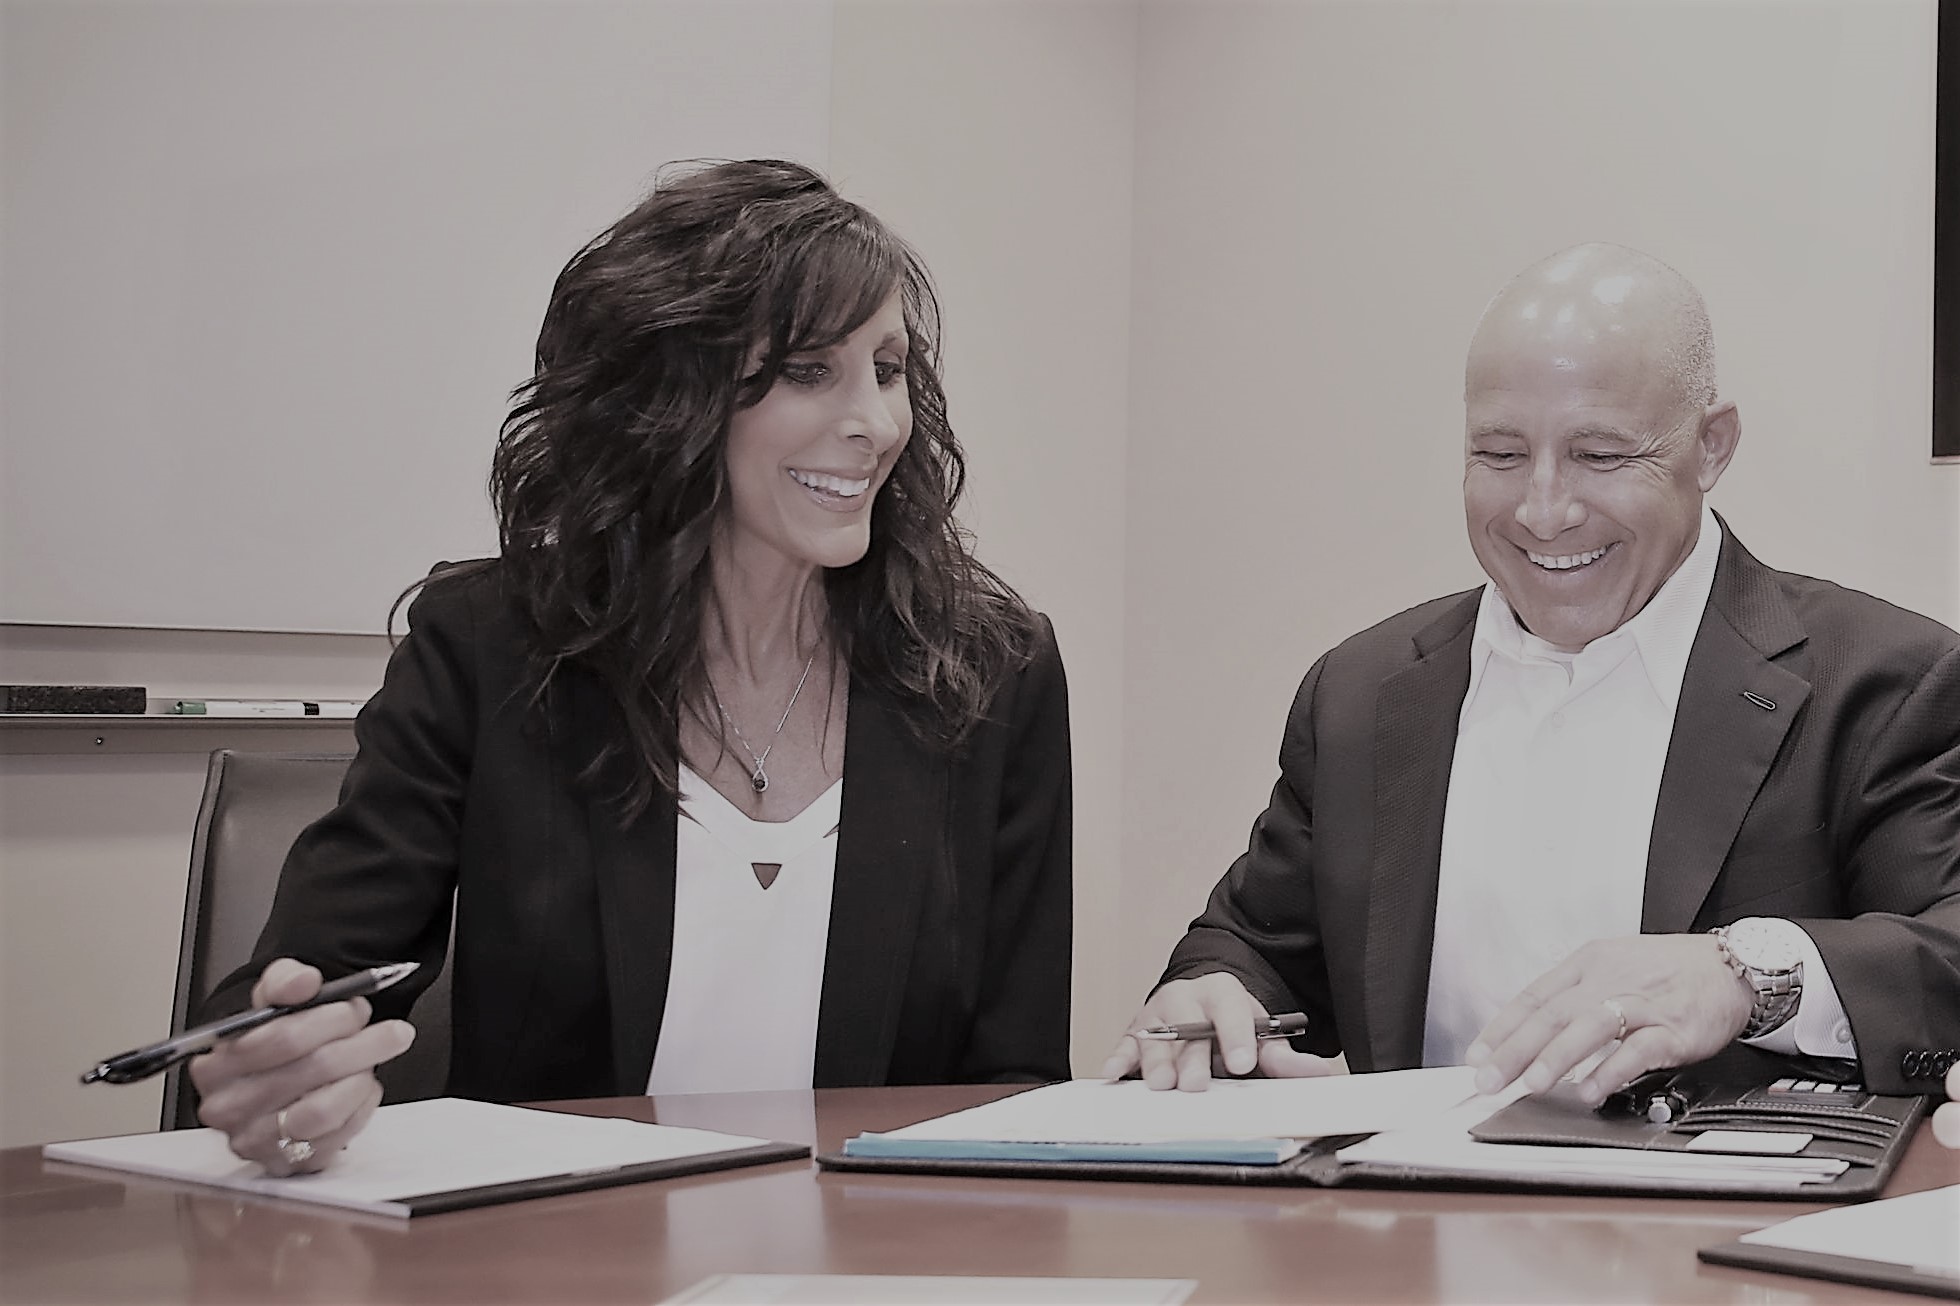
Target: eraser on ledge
point(125, 700)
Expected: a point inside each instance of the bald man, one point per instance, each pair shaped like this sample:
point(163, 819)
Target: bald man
point(1640, 796)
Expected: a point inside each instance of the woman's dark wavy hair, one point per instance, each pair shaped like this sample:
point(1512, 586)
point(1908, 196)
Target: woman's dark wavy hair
point(609, 472)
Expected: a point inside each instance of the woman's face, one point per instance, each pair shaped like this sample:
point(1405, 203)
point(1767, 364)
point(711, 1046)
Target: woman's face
point(806, 461)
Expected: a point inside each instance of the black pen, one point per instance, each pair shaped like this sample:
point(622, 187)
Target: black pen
point(1282, 1026)
point(128, 1067)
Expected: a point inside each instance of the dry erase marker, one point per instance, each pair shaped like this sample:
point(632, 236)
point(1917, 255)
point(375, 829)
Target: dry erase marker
point(255, 707)
point(1282, 1026)
point(141, 1063)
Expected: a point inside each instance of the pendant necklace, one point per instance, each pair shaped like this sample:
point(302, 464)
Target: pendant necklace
point(760, 780)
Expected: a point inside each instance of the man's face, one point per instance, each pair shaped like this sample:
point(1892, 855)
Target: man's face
point(1584, 469)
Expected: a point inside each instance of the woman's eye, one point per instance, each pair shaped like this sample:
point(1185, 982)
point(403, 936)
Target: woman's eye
point(890, 372)
point(803, 372)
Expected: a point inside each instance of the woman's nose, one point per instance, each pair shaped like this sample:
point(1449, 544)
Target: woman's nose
point(871, 416)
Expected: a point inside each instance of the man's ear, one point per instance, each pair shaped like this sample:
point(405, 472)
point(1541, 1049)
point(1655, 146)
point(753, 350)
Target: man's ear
point(1721, 431)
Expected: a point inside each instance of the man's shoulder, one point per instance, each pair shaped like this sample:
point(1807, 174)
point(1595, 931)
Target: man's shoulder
point(1845, 624)
point(1410, 634)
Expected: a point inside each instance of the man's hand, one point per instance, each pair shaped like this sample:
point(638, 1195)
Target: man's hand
point(1681, 1002)
point(1946, 1120)
point(1232, 1012)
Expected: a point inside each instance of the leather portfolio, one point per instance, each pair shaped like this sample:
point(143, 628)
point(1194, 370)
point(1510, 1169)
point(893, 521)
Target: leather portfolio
point(1716, 1131)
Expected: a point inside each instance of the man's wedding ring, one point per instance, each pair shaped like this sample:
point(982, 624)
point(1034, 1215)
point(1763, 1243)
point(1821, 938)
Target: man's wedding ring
point(1619, 1014)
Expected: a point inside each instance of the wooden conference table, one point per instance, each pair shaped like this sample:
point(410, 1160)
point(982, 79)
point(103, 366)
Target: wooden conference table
point(68, 1235)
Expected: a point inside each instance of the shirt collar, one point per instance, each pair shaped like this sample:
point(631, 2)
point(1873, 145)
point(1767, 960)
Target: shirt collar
point(1662, 633)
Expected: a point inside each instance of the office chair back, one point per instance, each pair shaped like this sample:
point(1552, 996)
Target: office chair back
point(255, 805)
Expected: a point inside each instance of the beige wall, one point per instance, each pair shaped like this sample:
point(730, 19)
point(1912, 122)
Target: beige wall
point(1208, 270)
point(95, 845)
point(1327, 195)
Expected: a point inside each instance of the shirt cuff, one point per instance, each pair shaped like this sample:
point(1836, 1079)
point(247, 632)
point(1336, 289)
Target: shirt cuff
point(1819, 1028)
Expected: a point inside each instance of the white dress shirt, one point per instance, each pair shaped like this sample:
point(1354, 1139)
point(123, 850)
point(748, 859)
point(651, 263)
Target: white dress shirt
point(747, 973)
point(1551, 806)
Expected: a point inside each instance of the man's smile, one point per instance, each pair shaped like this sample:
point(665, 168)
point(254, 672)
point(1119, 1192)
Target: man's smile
point(1566, 561)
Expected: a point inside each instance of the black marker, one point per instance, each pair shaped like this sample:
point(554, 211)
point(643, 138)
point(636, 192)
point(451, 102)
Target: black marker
point(128, 1067)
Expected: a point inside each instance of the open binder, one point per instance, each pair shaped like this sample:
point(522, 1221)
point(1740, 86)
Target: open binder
point(1846, 1141)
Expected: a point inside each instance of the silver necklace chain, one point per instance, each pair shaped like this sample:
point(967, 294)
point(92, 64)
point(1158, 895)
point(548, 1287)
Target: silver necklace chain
point(759, 781)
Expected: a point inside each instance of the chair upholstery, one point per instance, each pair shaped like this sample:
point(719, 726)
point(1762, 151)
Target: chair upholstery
point(255, 805)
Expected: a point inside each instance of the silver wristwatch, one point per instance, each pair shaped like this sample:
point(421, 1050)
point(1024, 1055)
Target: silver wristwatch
point(1765, 953)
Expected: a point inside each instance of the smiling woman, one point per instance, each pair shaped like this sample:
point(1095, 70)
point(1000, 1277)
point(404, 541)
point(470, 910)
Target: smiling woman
point(616, 754)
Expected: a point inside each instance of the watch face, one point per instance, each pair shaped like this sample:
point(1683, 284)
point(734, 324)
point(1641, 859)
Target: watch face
point(1764, 945)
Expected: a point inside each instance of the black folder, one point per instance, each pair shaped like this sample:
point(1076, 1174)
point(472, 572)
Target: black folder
point(1840, 1269)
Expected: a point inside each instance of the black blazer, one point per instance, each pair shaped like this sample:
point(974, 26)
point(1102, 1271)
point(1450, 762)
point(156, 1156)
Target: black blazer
point(1839, 809)
point(948, 955)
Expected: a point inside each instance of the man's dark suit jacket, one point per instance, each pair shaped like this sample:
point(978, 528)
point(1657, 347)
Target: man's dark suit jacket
point(1837, 807)
point(948, 956)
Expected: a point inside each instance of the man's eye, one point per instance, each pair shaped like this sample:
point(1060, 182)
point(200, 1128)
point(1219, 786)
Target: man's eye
point(1603, 461)
point(1499, 457)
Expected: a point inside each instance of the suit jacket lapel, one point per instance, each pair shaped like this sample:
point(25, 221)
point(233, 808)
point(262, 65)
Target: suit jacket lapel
point(890, 837)
point(633, 869)
point(1716, 765)
point(1415, 741)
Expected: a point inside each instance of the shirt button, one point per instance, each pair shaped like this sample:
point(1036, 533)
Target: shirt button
point(1558, 720)
point(1842, 1031)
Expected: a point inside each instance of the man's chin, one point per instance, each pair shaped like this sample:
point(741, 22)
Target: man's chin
point(1562, 629)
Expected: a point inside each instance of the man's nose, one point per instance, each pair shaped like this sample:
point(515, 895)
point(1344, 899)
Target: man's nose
point(1549, 506)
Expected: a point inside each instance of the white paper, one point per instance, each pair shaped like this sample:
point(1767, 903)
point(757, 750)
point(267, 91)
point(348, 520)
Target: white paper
point(1751, 1142)
point(1097, 1111)
point(1921, 1230)
point(930, 1290)
point(413, 1149)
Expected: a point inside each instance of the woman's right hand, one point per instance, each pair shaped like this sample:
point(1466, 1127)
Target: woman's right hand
point(315, 1068)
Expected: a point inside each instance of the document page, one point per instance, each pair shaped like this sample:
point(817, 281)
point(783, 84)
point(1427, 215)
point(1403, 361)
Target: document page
point(414, 1149)
point(930, 1290)
point(1097, 1111)
point(1920, 1231)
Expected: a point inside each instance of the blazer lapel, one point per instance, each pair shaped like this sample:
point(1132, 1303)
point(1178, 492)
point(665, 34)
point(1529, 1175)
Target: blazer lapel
point(633, 869)
point(890, 837)
point(1415, 742)
point(1715, 766)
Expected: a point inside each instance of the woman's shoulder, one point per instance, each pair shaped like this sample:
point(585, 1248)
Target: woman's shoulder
point(1035, 685)
point(452, 590)
point(471, 601)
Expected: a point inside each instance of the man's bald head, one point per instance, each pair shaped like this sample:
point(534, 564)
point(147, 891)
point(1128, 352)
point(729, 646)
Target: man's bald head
point(1592, 432)
point(1600, 297)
